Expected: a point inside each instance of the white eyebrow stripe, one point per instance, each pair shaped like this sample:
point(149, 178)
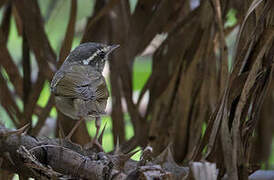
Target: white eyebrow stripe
point(87, 61)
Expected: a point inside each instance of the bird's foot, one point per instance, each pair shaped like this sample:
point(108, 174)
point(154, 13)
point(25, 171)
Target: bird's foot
point(67, 138)
point(94, 144)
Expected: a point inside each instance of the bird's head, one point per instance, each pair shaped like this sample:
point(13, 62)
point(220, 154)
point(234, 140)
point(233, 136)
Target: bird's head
point(91, 54)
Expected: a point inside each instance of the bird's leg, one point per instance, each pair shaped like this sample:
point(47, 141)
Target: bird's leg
point(95, 141)
point(74, 128)
point(97, 125)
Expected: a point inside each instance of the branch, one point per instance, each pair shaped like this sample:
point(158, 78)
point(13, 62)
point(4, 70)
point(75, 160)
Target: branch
point(44, 158)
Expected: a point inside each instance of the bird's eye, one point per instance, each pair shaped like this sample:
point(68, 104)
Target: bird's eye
point(102, 54)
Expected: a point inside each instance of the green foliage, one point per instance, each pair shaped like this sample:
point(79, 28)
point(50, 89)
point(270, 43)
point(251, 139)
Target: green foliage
point(231, 19)
point(141, 72)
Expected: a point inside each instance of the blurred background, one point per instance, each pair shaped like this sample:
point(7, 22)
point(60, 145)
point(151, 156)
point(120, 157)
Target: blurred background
point(167, 80)
point(56, 15)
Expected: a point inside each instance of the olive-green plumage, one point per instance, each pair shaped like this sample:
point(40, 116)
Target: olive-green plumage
point(79, 87)
point(80, 91)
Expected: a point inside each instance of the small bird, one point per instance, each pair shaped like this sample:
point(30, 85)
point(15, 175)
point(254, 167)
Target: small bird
point(79, 87)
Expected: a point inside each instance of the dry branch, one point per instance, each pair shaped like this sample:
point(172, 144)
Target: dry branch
point(45, 158)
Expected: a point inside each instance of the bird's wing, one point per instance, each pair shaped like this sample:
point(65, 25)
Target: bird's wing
point(79, 82)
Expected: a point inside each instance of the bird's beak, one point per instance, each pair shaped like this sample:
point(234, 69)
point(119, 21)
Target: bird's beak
point(112, 48)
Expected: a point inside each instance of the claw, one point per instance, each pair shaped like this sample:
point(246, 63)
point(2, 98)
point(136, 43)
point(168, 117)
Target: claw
point(91, 144)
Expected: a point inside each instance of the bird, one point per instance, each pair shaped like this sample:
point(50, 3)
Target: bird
point(79, 86)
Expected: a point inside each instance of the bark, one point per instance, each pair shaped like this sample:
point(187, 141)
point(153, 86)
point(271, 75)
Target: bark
point(44, 158)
